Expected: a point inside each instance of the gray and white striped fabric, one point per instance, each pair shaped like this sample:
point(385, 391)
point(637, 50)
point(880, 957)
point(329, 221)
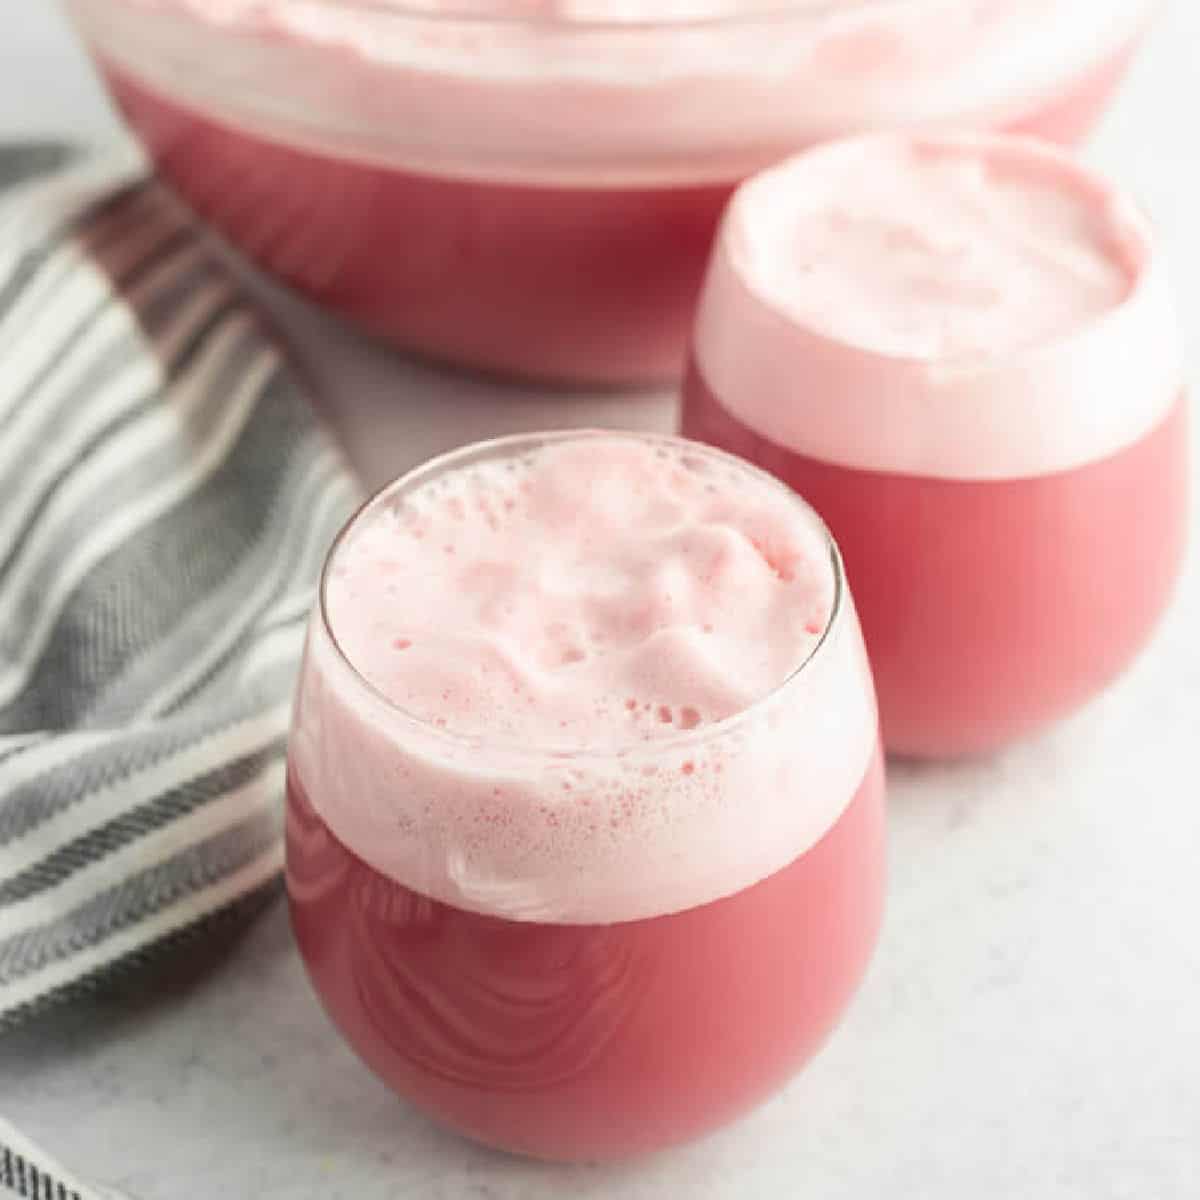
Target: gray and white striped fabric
point(166, 496)
point(29, 1172)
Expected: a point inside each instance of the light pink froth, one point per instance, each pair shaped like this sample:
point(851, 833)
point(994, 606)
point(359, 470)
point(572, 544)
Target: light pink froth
point(951, 306)
point(607, 92)
point(609, 677)
point(934, 250)
point(590, 594)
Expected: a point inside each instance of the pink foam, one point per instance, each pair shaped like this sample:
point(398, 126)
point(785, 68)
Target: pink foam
point(593, 594)
point(930, 250)
point(605, 92)
point(586, 699)
point(966, 306)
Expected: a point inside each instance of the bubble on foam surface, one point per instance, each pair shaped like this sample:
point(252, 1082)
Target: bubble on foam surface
point(647, 801)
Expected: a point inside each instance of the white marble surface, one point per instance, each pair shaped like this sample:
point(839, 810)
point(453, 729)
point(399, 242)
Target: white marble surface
point(1030, 1029)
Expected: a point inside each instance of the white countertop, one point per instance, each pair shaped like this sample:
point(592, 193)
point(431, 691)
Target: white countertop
point(1030, 1029)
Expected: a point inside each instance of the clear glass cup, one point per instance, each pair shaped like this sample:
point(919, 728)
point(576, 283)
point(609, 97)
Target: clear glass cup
point(536, 195)
point(641, 997)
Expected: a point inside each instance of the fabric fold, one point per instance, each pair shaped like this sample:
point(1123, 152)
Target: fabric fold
point(166, 499)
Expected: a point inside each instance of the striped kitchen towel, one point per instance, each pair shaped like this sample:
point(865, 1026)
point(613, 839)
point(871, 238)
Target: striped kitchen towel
point(166, 497)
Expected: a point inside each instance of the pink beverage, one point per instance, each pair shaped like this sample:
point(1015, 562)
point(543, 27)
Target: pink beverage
point(585, 844)
point(962, 351)
point(532, 188)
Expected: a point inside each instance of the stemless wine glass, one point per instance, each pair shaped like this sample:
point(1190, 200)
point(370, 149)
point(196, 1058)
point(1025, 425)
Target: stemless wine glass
point(1013, 516)
point(583, 954)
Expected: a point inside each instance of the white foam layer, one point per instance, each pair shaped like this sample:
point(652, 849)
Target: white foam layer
point(539, 792)
point(965, 307)
point(603, 95)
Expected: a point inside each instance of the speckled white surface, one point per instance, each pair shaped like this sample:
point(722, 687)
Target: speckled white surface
point(1030, 1029)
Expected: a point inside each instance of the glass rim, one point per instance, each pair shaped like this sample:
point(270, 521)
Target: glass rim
point(515, 443)
point(772, 12)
